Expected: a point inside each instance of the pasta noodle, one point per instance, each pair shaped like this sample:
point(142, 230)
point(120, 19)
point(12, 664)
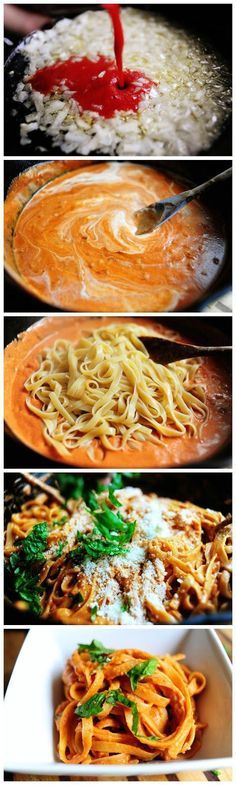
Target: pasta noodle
point(174, 559)
point(108, 717)
point(107, 389)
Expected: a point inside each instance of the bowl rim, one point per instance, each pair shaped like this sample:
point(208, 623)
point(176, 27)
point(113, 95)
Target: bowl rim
point(157, 767)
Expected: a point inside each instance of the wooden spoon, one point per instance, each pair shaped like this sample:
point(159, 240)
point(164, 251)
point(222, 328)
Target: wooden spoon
point(148, 218)
point(164, 351)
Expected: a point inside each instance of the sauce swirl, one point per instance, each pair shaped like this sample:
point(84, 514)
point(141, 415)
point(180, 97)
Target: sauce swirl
point(74, 242)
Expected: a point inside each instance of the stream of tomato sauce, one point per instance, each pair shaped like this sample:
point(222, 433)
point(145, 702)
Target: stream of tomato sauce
point(100, 85)
point(114, 12)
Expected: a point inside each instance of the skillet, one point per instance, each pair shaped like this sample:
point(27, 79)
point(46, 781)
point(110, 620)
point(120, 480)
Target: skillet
point(189, 173)
point(212, 23)
point(211, 330)
point(183, 486)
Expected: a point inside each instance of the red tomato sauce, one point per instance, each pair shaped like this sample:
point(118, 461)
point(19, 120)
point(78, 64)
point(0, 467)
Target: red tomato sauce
point(99, 85)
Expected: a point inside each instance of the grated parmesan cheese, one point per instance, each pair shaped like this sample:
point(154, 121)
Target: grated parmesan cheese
point(127, 587)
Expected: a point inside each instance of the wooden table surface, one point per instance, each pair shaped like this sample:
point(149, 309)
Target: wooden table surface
point(13, 640)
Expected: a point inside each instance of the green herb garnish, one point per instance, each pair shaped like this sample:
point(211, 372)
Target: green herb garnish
point(35, 543)
point(142, 670)
point(25, 564)
point(149, 738)
point(92, 501)
point(60, 548)
point(77, 598)
point(133, 475)
point(116, 696)
point(97, 652)
point(71, 485)
point(61, 521)
point(115, 484)
point(113, 527)
point(93, 613)
point(115, 531)
point(94, 548)
point(93, 706)
point(27, 588)
point(125, 606)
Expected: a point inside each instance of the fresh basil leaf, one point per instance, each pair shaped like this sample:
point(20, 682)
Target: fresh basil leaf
point(125, 607)
point(92, 501)
point(135, 719)
point(60, 548)
point(27, 588)
point(61, 521)
point(97, 652)
point(149, 738)
point(116, 696)
point(13, 561)
point(35, 543)
point(113, 498)
point(93, 613)
point(71, 485)
point(96, 548)
point(115, 524)
point(93, 706)
point(132, 474)
point(77, 598)
point(142, 670)
point(25, 564)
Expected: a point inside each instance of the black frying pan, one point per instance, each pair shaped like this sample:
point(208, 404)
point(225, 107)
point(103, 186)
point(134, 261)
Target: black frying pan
point(209, 330)
point(189, 173)
point(213, 23)
point(206, 493)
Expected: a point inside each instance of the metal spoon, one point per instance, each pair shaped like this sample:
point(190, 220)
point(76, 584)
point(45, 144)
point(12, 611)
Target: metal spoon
point(148, 218)
point(164, 351)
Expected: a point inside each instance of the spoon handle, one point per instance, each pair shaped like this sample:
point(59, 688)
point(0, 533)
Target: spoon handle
point(166, 351)
point(193, 192)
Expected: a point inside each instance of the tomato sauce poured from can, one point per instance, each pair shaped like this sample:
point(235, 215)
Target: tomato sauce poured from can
point(99, 85)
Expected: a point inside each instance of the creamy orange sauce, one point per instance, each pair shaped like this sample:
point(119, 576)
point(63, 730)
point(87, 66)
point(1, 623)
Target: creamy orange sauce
point(75, 246)
point(21, 360)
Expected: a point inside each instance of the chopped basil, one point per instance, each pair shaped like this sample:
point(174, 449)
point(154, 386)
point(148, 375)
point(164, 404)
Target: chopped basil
point(61, 521)
point(77, 598)
point(71, 485)
point(93, 706)
point(35, 543)
point(97, 652)
point(27, 588)
point(149, 738)
point(113, 527)
point(125, 607)
point(142, 670)
point(60, 548)
point(94, 548)
point(116, 696)
point(93, 612)
point(25, 564)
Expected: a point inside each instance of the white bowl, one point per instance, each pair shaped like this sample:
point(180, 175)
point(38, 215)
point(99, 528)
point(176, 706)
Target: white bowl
point(35, 689)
